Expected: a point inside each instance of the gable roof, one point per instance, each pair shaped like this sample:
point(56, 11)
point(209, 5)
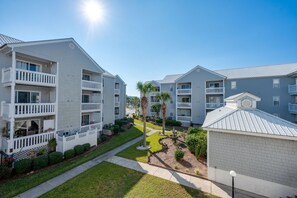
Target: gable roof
point(203, 68)
point(250, 121)
point(7, 39)
point(170, 78)
point(259, 71)
point(108, 74)
point(240, 95)
point(118, 77)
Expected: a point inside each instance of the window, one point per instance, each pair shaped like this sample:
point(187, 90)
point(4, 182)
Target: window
point(27, 97)
point(186, 100)
point(27, 127)
point(276, 100)
point(86, 77)
point(117, 111)
point(28, 66)
point(233, 85)
point(187, 86)
point(85, 119)
point(213, 84)
point(117, 86)
point(85, 99)
point(276, 83)
point(157, 89)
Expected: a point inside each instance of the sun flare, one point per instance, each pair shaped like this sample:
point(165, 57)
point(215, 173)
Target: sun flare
point(93, 11)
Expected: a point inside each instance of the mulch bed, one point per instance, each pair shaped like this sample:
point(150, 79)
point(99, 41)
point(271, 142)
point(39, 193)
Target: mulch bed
point(188, 165)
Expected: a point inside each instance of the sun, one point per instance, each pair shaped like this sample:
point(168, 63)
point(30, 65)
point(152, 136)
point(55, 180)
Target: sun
point(93, 11)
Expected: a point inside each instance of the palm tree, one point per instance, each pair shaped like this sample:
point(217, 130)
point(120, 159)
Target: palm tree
point(163, 97)
point(156, 108)
point(144, 89)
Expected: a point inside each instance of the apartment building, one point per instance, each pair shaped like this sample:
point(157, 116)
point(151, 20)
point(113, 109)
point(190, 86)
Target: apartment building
point(50, 89)
point(114, 100)
point(201, 90)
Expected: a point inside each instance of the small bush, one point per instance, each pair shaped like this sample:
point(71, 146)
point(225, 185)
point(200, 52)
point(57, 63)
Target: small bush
point(69, 154)
point(158, 120)
point(115, 129)
point(192, 130)
point(197, 143)
point(23, 166)
point(103, 138)
point(179, 155)
point(40, 162)
point(192, 141)
point(86, 146)
point(42, 152)
point(5, 172)
point(55, 157)
point(79, 149)
point(172, 123)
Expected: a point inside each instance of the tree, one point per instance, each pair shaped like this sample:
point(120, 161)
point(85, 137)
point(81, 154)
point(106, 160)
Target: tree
point(156, 108)
point(163, 97)
point(144, 89)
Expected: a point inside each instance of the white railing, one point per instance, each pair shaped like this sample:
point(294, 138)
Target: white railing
point(90, 106)
point(292, 108)
point(116, 91)
point(292, 89)
point(5, 110)
point(117, 117)
point(32, 141)
point(214, 105)
point(184, 118)
point(184, 91)
point(6, 75)
point(116, 103)
point(91, 127)
point(153, 93)
point(34, 109)
point(36, 78)
point(215, 90)
point(90, 85)
point(184, 104)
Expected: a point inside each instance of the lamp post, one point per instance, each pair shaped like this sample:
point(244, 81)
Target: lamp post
point(233, 174)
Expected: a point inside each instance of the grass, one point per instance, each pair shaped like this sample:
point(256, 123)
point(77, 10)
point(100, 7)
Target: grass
point(148, 124)
point(124, 182)
point(17, 186)
point(142, 156)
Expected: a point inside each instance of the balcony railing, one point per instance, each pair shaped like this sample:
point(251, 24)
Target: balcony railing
point(116, 91)
point(116, 104)
point(292, 89)
point(88, 107)
point(91, 127)
point(184, 91)
point(91, 85)
point(117, 116)
point(28, 109)
point(184, 105)
point(154, 93)
point(28, 77)
point(214, 105)
point(215, 90)
point(292, 108)
point(27, 142)
point(184, 118)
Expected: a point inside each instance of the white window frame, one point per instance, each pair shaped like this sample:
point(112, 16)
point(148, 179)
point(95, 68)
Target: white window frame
point(233, 85)
point(84, 94)
point(86, 75)
point(29, 62)
point(30, 91)
point(276, 83)
point(273, 100)
point(82, 119)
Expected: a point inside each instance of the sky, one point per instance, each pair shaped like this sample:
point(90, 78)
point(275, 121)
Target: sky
point(143, 40)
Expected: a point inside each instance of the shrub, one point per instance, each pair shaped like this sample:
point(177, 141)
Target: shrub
point(192, 141)
point(201, 147)
point(115, 129)
point(5, 172)
point(197, 143)
point(172, 123)
point(103, 138)
point(192, 130)
point(158, 120)
point(79, 149)
point(40, 162)
point(69, 154)
point(23, 166)
point(55, 157)
point(178, 155)
point(86, 146)
point(41, 152)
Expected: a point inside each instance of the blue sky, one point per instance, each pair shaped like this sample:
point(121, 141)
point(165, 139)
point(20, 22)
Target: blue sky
point(146, 39)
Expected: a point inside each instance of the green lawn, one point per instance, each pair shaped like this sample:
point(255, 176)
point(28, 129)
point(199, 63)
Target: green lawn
point(17, 186)
point(142, 156)
point(110, 180)
point(148, 124)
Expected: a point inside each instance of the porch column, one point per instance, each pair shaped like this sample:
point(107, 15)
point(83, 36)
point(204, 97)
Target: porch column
point(57, 96)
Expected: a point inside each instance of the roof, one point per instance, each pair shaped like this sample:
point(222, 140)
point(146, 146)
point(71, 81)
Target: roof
point(7, 39)
point(259, 71)
point(252, 121)
point(170, 78)
point(108, 74)
point(240, 95)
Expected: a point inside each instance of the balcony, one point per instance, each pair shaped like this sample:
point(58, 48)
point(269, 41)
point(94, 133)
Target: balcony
point(117, 91)
point(22, 110)
point(184, 91)
point(116, 103)
point(184, 105)
point(28, 78)
point(90, 107)
point(117, 117)
point(292, 108)
point(27, 142)
point(292, 89)
point(183, 118)
point(154, 93)
point(215, 90)
point(91, 85)
point(214, 105)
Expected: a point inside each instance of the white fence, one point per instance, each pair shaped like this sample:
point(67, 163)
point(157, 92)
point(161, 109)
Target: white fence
point(34, 109)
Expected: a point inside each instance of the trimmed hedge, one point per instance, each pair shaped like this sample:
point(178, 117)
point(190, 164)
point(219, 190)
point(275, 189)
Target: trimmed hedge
point(23, 166)
point(55, 157)
point(5, 172)
point(40, 162)
point(69, 154)
point(79, 149)
point(86, 146)
point(173, 123)
point(103, 138)
point(115, 129)
point(179, 155)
